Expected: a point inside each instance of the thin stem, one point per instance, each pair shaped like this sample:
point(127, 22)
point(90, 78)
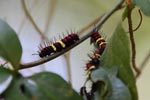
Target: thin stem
point(140, 21)
point(24, 19)
point(89, 33)
point(133, 48)
point(50, 14)
point(31, 19)
point(144, 61)
point(89, 25)
point(67, 56)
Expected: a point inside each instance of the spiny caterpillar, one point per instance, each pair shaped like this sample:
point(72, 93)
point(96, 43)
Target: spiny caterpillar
point(58, 45)
point(93, 64)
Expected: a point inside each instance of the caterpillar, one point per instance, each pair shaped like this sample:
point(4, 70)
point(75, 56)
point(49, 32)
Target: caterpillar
point(93, 64)
point(58, 45)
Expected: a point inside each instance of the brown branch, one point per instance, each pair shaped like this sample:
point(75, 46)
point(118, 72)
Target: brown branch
point(133, 48)
point(89, 33)
point(31, 19)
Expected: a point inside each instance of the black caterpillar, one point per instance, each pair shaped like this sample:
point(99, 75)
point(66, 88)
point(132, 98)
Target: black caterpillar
point(58, 45)
point(93, 64)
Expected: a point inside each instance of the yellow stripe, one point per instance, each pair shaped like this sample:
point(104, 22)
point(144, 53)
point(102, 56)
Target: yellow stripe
point(102, 43)
point(98, 55)
point(62, 44)
point(88, 74)
point(54, 48)
point(92, 67)
point(99, 39)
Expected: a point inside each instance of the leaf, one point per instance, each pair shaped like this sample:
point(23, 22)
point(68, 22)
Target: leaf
point(5, 79)
point(118, 54)
point(144, 5)
point(10, 47)
point(119, 90)
point(101, 75)
point(114, 89)
point(54, 87)
point(41, 86)
point(125, 14)
point(15, 90)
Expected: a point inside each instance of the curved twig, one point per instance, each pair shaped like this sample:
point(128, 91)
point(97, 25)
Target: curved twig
point(139, 23)
point(89, 33)
point(31, 19)
point(141, 18)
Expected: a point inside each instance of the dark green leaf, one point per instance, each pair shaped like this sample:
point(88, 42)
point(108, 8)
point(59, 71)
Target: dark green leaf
point(42, 86)
point(53, 87)
point(16, 90)
point(5, 79)
point(118, 54)
point(10, 47)
point(144, 5)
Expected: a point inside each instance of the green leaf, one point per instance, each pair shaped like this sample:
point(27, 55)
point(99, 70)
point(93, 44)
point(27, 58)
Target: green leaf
point(101, 75)
point(124, 14)
point(114, 88)
point(53, 87)
point(10, 47)
point(144, 5)
point(117, 53)
point(5, 79)
point(42, 86)
point(119, 90)
point(15, 90)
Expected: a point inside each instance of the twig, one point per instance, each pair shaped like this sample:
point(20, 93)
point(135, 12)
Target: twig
point(133, 48)
point(144, 61)
point(140, 21)
point(50, 14)
point(67, 56)
point(31, 19)
point(24, 19)
point(89, 33)
point(89, 25)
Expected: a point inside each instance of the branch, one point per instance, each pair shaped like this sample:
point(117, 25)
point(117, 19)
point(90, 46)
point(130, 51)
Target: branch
point(89, 33)
point(144, 61)
point(133, 48)
point(31, 19)
point(50, 14)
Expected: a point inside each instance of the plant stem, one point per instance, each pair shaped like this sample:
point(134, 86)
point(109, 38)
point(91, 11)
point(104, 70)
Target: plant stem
point(31, 19)
point(89, 33)
point(133, 48)
point(144, 61)
point(50, 14)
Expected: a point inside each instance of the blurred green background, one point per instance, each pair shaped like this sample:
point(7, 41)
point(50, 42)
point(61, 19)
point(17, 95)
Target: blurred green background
point(53, 17)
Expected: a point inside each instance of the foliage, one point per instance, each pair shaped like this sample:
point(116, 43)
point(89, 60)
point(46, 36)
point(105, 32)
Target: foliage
point(10, 47)
point(114, 71)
